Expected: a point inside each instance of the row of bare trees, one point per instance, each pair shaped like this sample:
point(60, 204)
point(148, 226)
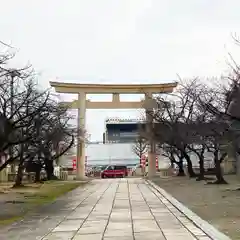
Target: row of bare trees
point(35, 129)
point(199, 117)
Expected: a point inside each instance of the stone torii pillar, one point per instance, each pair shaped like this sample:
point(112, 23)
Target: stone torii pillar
point(80, 139)
point(149, 106)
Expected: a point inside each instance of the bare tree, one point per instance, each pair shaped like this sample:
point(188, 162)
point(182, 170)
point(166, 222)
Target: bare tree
point(185, 126)
point(52, 128)
point(173, 121)
point(34, 127)
point(140, 147)
point(209, 131)
point(14, 122)
point(175, 157)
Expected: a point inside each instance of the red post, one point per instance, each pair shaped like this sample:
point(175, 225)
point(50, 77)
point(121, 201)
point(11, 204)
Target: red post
point(143, 161)
point(74, 164)
point(156, 162)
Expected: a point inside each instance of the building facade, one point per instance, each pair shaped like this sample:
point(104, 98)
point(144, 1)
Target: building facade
point(118, 130)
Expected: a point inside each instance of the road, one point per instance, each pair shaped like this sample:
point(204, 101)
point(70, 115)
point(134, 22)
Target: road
point(108, 209)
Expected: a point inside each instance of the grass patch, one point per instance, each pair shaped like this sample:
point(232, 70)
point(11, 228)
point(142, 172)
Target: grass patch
point(9, 220)
point(32, 196)
point(50, 191)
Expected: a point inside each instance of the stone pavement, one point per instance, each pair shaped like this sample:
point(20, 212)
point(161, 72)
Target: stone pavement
point(107, 209)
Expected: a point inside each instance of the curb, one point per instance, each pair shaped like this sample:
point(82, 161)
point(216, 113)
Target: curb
point(211, 231)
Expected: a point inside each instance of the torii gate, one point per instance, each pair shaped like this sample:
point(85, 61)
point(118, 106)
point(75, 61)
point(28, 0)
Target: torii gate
point(115, 89)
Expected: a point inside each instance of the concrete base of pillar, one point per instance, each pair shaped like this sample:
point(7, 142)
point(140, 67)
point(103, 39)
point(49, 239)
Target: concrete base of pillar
point(81, 178)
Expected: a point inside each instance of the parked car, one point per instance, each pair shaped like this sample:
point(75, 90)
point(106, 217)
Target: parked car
point(114, 171)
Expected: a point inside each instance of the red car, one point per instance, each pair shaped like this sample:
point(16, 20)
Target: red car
point(114, 171)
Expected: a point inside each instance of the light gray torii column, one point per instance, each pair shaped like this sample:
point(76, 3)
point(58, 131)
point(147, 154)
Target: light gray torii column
point(81, 139)
point(149, 106)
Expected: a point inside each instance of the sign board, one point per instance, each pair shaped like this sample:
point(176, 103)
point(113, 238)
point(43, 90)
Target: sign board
point(124, 120)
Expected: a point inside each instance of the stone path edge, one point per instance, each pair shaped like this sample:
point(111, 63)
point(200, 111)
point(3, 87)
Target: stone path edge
point(211, 231)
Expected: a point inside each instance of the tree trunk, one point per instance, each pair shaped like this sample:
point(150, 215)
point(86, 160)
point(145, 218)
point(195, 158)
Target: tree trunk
point(181, 172)
point(224, 155)
point(172, 160)
point(191, 173)
point(49, 169)
point(37, 174)
point(201, 166)
point(48, 160)
point(18, 181)
point(218, 169)
point(37, 168)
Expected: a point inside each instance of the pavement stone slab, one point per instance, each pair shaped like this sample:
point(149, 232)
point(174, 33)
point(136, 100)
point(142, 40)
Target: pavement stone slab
point(97, 216)
point(59, 236)
point(145, 226)
point(68, 225)
point(118, 233)
point(93, 227)
point(126, 226)
point(126, 209)
point(149, 236)
point(147, 215)
point(119, 238)
point(88, 237)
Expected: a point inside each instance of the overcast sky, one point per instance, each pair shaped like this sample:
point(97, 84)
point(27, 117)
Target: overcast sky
point(120, 41)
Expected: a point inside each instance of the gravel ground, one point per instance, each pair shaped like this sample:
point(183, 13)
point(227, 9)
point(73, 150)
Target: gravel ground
point(219, 205)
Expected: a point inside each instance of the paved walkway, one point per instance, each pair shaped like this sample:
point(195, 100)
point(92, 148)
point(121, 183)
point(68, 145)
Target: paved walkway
point(108, 209)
